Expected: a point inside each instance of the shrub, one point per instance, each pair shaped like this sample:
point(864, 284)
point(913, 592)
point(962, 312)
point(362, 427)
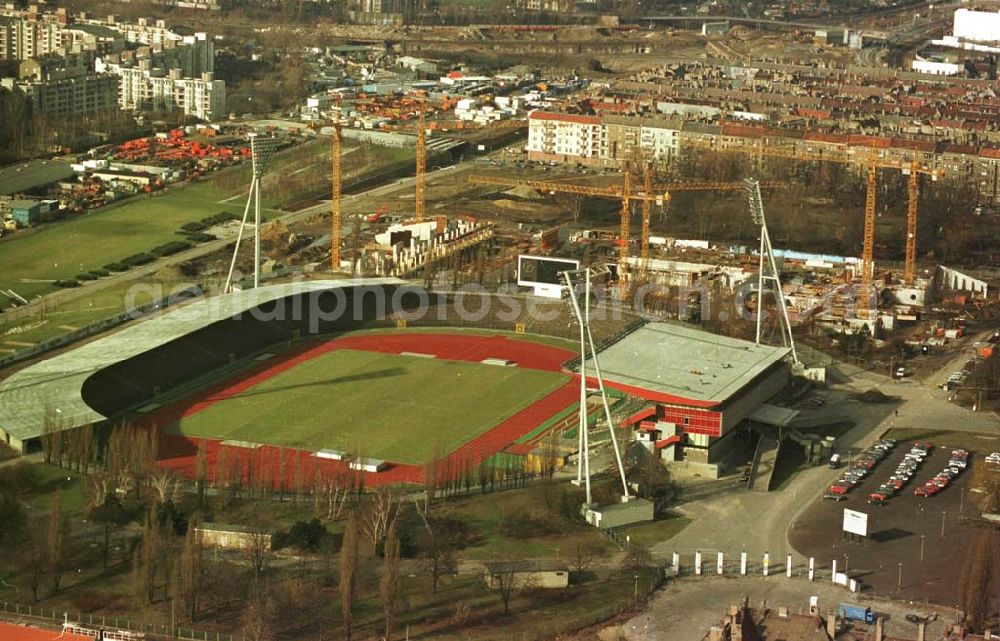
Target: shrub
point(168, 249)
point(86, 276)
point(525, 525)
point(219, 218)
point(99, 273)
point(67, 283)
point(116, 267)
point(141, 258)
point(199, 237)
point(193, 226)
point(304, 535)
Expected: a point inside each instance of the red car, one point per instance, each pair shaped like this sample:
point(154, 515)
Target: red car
point(838, 489)
point(926, 490)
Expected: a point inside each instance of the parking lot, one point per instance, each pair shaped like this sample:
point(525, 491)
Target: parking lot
point(889, 559)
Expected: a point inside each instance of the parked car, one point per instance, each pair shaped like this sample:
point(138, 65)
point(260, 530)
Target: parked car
point(833, 496)
point(927, 490)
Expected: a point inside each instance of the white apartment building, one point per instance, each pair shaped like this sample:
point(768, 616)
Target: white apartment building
point(977, 26)
point(659, 138)
point(144, 31)
point(565, 137)
point(170, 74)
point(29, 34)
point(152, 90)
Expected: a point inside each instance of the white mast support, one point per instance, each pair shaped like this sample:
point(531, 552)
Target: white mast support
point(771, 272)
point(256, 234)
point(607, 410)
point(583, 464)
point(260, 152)
point(239, 238)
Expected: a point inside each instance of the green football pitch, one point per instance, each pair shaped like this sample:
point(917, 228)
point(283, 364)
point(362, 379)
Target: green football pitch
point(386, 406)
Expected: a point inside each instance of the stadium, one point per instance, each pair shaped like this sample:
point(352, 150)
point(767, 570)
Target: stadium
point(369, 374)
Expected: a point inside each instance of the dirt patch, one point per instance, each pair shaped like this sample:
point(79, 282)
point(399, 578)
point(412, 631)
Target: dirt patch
point(874, 395)
point(524, 192)
point(506, 203)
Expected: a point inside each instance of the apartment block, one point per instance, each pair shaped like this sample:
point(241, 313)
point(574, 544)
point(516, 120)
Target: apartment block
point(564, 137)
point(66, 98)
point(612, 139)
point(149, 90)
point(170, 74)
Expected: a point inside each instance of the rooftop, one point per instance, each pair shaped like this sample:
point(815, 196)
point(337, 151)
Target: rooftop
point(676, 364)
point(55, 384)
point(540, 565)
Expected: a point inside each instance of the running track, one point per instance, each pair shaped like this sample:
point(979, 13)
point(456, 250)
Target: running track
point(180, 453)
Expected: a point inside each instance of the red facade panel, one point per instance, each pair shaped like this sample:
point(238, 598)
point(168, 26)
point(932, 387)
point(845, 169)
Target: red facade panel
point(693, 420)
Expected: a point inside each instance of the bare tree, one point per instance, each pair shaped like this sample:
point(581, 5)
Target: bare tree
point(166, 486)
point(378, 513)
point(36, 558)
point(51, 437)
point(148, 559)
point(258, 549)
point(430, 479)
point(505, 580)
point(104, 508)
point(201, 472)
point(583, 557)
point(57, 535)
point(189, 572)
point(350, 561)
point(436, 552)
point(389, 588)
point(335, 485)
point(977, 581)
point(257, 616)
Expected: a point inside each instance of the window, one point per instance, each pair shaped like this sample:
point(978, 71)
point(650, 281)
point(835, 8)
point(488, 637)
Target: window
point(687, 420)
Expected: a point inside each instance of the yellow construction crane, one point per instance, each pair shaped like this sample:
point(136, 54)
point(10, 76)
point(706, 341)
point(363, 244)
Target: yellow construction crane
point(652, 192)
point(914, 168)
point(335, 218)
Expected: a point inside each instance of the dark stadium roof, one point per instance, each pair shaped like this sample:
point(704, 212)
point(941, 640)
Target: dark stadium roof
point(53, 386)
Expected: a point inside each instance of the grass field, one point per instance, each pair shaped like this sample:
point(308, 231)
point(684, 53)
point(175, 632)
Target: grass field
point(398, 408)
point(90, 241)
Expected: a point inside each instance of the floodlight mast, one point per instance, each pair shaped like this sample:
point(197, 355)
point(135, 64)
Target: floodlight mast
point(260, 152)
point(587, 338)
point(767, 269)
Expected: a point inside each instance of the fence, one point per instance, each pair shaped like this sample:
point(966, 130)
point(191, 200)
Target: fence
point(114, 623)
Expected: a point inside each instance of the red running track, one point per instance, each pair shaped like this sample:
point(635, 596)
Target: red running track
point(180, 453)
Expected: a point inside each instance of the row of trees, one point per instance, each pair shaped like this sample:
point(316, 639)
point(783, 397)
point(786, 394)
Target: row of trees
point(381, 525)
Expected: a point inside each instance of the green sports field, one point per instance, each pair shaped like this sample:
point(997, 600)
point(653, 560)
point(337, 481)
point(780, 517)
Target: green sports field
point(386, 406)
